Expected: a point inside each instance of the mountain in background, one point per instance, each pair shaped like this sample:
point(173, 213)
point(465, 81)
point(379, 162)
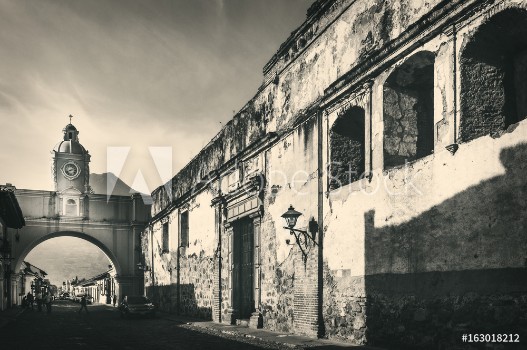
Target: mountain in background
point(99, 182)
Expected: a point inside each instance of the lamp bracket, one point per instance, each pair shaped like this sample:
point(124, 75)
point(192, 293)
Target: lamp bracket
point(304, 233)
point(301, 239)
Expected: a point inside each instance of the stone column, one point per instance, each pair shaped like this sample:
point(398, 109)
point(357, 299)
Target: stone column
point(256, 320)
point(217, 286)
point(230, 313)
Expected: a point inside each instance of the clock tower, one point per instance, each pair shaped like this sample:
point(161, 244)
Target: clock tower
point(71, 172)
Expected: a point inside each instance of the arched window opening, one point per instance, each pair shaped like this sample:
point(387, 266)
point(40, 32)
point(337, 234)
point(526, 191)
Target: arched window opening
point(347, 161)
point(494, 76)
point(408, 108)
point(71, 207)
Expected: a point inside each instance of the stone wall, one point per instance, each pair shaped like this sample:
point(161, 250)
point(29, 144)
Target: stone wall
point(441, 256)
point(194, 263)
point(492, 95)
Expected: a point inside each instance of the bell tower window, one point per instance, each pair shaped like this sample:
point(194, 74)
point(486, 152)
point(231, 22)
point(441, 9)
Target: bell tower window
point(71, 208)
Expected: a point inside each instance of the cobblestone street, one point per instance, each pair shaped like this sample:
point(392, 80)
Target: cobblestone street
point(102, 328)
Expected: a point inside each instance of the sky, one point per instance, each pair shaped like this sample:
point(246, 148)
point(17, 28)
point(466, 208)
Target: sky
point(75, 258)
point(137, 74)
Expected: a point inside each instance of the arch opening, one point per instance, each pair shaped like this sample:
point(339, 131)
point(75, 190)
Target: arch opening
point(347, 147)
point(408, 108)
point(67, 256)
point(493, 76)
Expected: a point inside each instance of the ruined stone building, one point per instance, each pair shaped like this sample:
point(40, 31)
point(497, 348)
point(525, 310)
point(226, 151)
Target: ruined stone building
point(396, 129)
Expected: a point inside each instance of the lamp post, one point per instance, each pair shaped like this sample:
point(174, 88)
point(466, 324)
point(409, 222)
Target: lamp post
point(302, 238)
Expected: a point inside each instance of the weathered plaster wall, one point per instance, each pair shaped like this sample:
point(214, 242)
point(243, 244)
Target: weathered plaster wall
point(332, 51)
point(291, 172)
point(196, 270)
point(443, 257)
point(430, 247)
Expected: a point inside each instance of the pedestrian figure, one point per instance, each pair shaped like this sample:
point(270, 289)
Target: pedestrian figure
point(38, 298)
point(47, 301)
point(83, 304)
point(114, 300)
point(30, 300)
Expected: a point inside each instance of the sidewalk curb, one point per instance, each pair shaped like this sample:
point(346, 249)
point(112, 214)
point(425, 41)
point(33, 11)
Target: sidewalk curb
point(295, 341)
point(235, 333)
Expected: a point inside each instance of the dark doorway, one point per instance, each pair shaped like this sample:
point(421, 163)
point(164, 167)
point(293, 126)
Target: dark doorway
point(243, 259)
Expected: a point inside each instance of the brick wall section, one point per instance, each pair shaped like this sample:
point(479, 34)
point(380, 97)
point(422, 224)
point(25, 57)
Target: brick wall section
point(306, 296)
point(216, 307)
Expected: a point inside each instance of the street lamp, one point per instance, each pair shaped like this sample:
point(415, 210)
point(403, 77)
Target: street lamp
point(302, 237)
point(291, 216)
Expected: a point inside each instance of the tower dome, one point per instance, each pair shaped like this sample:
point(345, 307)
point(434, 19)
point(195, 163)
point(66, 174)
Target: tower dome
point(70, 142)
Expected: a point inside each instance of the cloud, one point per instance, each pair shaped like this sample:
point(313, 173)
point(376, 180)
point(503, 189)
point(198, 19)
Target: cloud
point(139, 73)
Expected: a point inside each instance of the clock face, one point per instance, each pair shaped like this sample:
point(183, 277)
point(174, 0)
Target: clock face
point(70, 170)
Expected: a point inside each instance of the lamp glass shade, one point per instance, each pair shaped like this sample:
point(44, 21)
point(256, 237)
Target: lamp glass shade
point(290, 216)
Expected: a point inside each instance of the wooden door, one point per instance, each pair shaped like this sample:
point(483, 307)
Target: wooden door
point(243, 259)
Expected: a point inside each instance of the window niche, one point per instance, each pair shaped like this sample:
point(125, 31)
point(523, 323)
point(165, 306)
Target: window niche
point(165, 238)
point(347, 148)
point(408, 108)
point(71, 207)
point(493, 69)
point(184, 230)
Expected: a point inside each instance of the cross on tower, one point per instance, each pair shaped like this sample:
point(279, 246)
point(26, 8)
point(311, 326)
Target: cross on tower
point(70, 118)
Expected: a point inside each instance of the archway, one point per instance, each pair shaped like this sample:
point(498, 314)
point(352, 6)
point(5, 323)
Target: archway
point(408, 108)
point(347, 147)
point(98, 283)
point(28, 248)
point(493, 70)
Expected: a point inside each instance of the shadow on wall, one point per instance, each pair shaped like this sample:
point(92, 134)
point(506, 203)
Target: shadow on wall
point(464, 264)
point(165, 298)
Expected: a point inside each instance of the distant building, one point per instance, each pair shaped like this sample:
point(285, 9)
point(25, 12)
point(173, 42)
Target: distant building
point(29, 279)
point(101, 287)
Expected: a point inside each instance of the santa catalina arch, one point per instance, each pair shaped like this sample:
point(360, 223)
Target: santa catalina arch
point(112, 223)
